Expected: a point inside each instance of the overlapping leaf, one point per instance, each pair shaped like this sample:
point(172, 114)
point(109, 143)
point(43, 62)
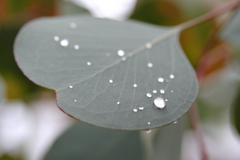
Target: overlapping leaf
point(91, 98)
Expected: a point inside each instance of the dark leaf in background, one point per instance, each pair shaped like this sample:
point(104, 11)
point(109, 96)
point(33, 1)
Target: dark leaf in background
point(90, 84)
point(86, 142)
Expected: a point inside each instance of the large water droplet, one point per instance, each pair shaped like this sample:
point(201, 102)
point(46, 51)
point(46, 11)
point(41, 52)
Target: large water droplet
point(160, 79)
point(76, 47)
point(110, 81)
point(148, 45)
point(118, 102)
point(135, 110)
point(135, 85)
point(141, 108)
point(155, 91)
point(162, 91)
point(70, 86)
point(56, 38)
point(159, 102)
point(73, 25)
point(64, 43)
point(121, 53)
point(149, 95)
point(89, 63)
point(150, 65)
point(171, 76)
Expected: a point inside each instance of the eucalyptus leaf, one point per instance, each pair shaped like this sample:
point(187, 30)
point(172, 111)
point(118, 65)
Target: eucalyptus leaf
point(85, 142)
point(95, 85)
point(231, 31)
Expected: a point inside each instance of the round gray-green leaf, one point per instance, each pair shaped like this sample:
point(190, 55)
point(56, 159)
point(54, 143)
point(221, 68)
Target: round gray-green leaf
point(103, 93)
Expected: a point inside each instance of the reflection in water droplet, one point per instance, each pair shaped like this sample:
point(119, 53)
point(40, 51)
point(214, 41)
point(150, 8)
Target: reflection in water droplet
point(73, 25)
point(56, 38)
point(160, 79)
point(75, 100)
point(149, 95)
point(89, 63)
point(124, 58)
point(149, 123)
point(166, 100)
point(159, 102)
point(64, 43)
point(135, 85)
point(121, 53)
point(174, 122)
point(76, 47)
point(110, 81)
point(70, 86)
point(155, 91)
point(107, 54)
point(148, 45)
point(118, 102)
point(135, 110)
point(162, 91)
point(149, 131)
point(150, 65)
point(141, 108)
point(171, 76)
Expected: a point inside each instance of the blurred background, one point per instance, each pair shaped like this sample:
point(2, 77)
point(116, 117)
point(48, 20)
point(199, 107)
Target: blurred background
point(30, 121)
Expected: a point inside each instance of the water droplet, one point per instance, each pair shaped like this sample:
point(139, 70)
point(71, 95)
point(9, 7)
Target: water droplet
point(141, 108)
point(150, 65)
point(149, 123)
point(155, 91)
point(107, 54)
point(70, 86)
point(113, 84)
point(118, 102)
point(76, 47)
point(171, 76)
point(174, 122)
point(75, 100)
point(124, 58)
point(149, 131)
point(110, 81)
point(160, 79)
point(121, 53)
point(167, 80)
point(89, 63)
point(64, 42)
point(148, 45)
point(135, 110)
point(149, 95)
point(135, 85)
point(171, 90)
point(166, 100)
point(56, 38)
point(159, 102)
point(162, 91)
point(73, 25)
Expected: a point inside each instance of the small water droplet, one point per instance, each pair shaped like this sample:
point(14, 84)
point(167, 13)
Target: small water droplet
point(110, 81)
point(171, 90)
point(162, 91)
point(155, 91)
point(149, 123)
point(75, 100)
point(159, 102)
point(135, 110)
point(160, 79)
point(141, 108)
point(70, 86)
point(118, 102)
point(150, 65)
point(124, 58)
point(171, 76)
point(121, 53)
point(166, 100)
point(149, 131)
point(167, 80)
point(175, 122)
point(148, 45)
point(135, 85)
point(73, 25)
point(149, 95)
point(113, 84)
point(107, 54)
point(56, 38)
point(89, 63)
point(64, 43)
point(76, 47)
